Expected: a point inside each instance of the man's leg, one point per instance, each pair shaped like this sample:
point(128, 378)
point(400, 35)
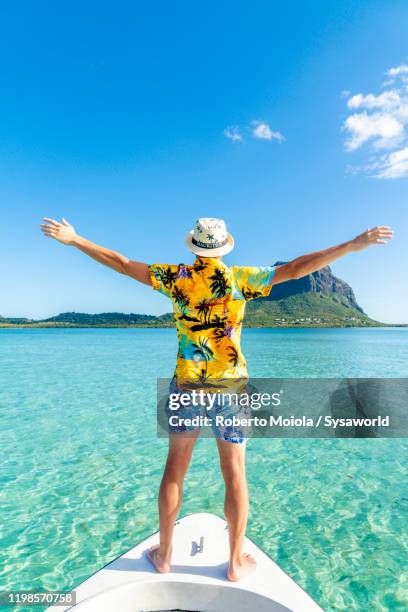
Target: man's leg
point(170, 496)
point(232, 461)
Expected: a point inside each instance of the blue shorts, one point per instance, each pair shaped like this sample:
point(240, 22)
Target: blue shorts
point(219, 418)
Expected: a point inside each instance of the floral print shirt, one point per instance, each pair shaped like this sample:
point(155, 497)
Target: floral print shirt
point(209, 303)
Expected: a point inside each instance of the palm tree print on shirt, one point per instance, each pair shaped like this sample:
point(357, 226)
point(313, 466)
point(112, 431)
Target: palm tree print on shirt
point(219, 285)
point(165, 275)
point(203, 352)
point(203, 308)
point(200, 265)
point(207, 320)
point(234, 357)
point(249, 294)
point(183, 302)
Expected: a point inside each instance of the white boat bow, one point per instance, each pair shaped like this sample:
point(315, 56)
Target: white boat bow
point(197, 581)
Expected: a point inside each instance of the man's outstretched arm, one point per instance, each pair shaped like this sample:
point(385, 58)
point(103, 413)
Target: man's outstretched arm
point(65, 233)
point(301, 266)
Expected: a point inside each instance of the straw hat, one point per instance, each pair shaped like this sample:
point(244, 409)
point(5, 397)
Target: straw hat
point(210, 238)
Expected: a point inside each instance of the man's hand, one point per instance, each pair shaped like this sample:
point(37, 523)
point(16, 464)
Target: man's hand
point(377, 235)
point(307, 264)
point(63, 232)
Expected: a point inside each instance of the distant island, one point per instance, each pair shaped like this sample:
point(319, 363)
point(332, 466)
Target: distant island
point(317, 300)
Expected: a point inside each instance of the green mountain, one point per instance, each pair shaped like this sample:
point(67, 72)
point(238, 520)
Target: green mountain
point(306, 310)
point(109, 319)
point(104, 319)
point(14, 320)
point(317, 300)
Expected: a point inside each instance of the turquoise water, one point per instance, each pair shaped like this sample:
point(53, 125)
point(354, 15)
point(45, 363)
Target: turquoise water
point(80, 463)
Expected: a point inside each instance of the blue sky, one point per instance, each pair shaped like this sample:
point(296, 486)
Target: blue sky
point(119, 116)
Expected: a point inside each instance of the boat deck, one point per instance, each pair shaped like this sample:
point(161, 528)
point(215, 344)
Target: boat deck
point(197, 581)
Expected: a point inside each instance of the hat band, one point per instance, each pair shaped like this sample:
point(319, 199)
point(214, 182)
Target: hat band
point(205, 245)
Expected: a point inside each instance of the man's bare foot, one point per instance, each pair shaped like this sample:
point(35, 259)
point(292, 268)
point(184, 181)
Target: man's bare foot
point(237, 571)
point(160, 564)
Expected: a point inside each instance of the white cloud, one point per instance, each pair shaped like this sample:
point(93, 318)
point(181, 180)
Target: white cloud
point(388, 100)
point(263, 131)
point(259, 129)
point(381, 122)
point(397, 71)
point(394, 165)
point(233, 133)
point(382, 128)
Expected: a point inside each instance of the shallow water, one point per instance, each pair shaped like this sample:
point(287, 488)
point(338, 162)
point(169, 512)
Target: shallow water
point(80, 463)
